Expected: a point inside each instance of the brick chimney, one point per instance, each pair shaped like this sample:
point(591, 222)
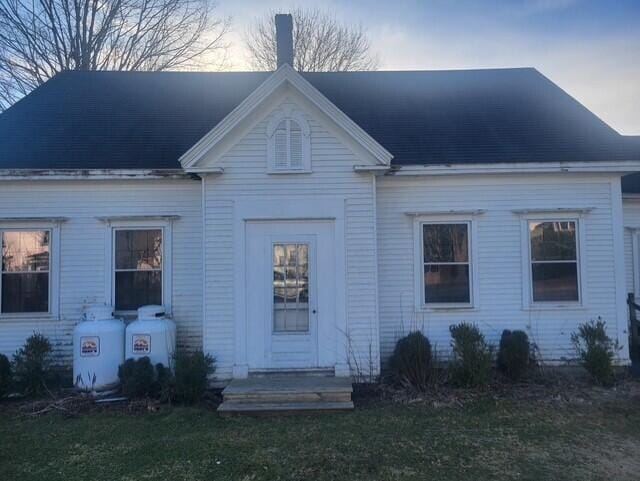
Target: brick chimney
point(284, 39)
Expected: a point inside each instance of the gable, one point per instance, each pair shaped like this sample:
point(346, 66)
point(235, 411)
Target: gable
point(285, 86)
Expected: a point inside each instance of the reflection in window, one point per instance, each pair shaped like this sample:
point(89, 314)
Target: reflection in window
point(554, 261)
point(25, 271)
point(446, 263)
point(138, 268)
point(291, 287)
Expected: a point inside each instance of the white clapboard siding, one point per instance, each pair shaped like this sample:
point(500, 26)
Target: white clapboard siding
point(245, 174)
point(631, 216)
point(499, 275)
point(82, 248)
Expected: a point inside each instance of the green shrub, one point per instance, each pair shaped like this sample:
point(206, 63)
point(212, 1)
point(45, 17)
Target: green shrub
point(32, 365)
point(5, 375)
point(514, 355)
point(137, 377)
point(191, 375)
point(411, 362)
point(165, 384)
point(472, 356)
point(595, 350)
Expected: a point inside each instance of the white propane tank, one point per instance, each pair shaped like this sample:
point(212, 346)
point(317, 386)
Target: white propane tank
point(151, 335)
point(98, 349)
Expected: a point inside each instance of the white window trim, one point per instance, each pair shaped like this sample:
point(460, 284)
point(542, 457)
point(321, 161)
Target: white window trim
point(272, 126)
point(53, 226)
point(418, 222)
point(167, 254)
point(576, 216)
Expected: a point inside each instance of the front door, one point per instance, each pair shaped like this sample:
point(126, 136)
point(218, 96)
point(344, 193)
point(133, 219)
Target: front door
point(290, 296)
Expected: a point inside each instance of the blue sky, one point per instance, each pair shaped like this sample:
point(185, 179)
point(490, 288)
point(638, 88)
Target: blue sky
point(591, 48)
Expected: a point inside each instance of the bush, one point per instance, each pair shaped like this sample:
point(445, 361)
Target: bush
point(32, 365)
point(472, 356)
point(191, 375)
point(5, 375)
point(411, 362)
point(595, 350)
point(165, 384)
point(514, 354)
point(137, 377)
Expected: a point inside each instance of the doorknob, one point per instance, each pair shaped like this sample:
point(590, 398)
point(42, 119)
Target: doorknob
point(313, 312)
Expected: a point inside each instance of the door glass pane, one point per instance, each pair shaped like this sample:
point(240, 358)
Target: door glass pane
point(290, 288)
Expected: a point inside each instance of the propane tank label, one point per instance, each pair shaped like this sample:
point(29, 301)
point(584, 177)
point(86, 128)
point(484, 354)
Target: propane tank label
point(141, 343)
point(90, 346)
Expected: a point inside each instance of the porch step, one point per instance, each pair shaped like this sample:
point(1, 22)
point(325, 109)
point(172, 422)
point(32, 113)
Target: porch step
point(319, 372)
point(265, 408)
point(287, 393)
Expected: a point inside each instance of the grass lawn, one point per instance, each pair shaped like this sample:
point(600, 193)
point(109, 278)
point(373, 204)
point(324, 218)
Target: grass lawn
point(484, 439)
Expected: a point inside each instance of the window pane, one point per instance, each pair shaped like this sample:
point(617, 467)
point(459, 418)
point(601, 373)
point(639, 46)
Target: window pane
point(25, 251)
point(555, 282)
point(553, 241)
point(138, 288)
point(139, 249)
point(445, 243)
point(25, 292)
point(446, 283)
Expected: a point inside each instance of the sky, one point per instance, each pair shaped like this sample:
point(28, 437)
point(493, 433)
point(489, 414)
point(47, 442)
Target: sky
point(590, 48)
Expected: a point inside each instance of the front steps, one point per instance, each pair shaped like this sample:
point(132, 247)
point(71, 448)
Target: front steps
point(287, 393)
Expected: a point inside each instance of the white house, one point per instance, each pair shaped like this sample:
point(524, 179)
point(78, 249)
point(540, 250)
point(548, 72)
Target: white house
point(307, 220)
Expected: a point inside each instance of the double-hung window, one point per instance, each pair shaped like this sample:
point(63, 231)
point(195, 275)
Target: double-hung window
point(446, 259)
point(553, 248)
point(138, 267)
point(26, 271)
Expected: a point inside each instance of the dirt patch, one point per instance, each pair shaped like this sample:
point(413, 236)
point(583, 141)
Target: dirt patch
point(557, 390)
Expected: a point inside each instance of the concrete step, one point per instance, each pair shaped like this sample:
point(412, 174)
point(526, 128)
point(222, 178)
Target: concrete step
point(265, 408)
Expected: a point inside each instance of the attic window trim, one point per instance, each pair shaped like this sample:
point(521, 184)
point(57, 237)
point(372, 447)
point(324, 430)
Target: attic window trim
point(273, 127)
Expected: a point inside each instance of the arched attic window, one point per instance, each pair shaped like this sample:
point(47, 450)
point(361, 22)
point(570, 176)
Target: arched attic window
point(289, 144)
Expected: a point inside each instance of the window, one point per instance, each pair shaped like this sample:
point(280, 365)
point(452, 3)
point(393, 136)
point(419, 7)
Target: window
point(446, 259)
point(25, 275)
point(138, 268)
point(291, 287)
point(554, 261)
point(289, 144)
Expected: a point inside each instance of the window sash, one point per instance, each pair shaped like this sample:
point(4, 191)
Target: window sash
point(115, 270)
point(576, 261)
point(47, 271)
point(467, 263)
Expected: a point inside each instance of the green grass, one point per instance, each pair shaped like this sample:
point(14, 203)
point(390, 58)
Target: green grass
point(485, 439)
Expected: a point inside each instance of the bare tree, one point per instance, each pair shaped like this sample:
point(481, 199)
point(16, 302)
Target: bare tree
point(320, 43)
point(39, 38)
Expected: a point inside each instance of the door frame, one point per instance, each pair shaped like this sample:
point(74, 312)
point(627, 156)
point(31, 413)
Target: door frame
point(293, 209)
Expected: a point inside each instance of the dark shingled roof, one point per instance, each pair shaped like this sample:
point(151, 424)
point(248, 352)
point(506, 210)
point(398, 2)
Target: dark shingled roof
point(86, 120)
